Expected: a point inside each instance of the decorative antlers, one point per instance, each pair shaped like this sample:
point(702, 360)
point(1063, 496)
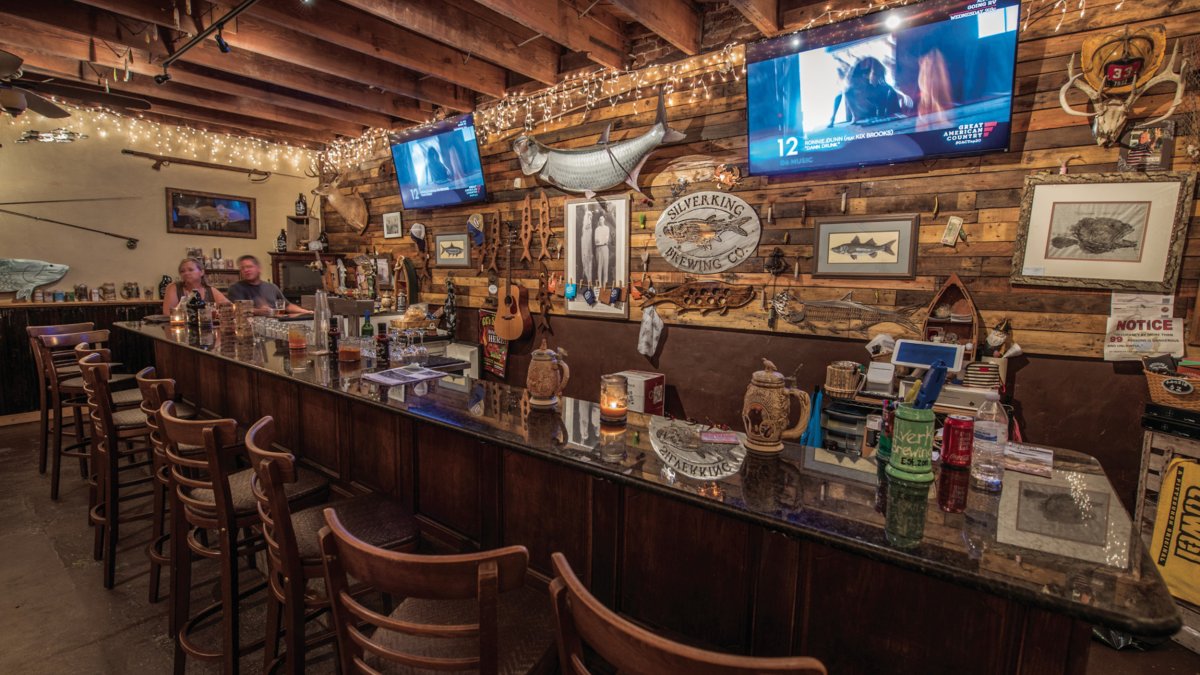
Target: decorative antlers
point(1111, 114)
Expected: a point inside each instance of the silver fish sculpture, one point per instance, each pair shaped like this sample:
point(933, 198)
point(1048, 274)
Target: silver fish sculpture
point(855, 248)
point(704, 231)
point(22, 276)
point(844, 309)
point(592, 170)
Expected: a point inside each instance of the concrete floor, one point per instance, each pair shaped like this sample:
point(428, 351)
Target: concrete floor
point(58, 618)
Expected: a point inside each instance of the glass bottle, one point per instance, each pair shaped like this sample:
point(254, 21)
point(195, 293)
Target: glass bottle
point(301, 206)
point(367, 329)
point(193, 308)
point(990, 439)
point(281, 242)
point(381, 342)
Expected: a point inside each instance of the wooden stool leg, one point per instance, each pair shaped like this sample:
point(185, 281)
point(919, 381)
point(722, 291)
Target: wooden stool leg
point(56, 456)
point(181, 581)
point(79, 412)
point(157, 528)
point(44, 428)
point(112, 513)
point(230, 619)
point(293, 629)
point(271, 646)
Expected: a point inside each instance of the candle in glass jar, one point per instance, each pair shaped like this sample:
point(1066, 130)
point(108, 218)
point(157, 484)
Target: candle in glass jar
point(614, 398)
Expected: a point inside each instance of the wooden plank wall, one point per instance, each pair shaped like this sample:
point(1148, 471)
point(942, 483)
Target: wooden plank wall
point(984, 190)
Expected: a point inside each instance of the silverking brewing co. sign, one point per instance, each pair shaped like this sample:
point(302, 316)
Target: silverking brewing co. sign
point(707, 232)
point(680, 447)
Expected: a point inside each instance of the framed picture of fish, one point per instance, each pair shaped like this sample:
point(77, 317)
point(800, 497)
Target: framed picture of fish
point(597, 263)
point(209, 214)
point(453, 250)
point(1115, 231)
point(866, 246)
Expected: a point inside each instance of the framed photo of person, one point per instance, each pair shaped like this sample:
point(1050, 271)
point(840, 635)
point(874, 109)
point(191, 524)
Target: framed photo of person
point(860, 247)
point(597, 234)
point(1116, 231)
point(393, 225)
point(1148, 148)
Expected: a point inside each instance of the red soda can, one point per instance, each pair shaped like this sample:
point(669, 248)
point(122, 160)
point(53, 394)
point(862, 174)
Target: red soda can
point(952, 489)
point(958, 437)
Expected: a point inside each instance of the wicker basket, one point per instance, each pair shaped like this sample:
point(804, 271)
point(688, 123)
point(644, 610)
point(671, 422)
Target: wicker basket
point(1176, 391)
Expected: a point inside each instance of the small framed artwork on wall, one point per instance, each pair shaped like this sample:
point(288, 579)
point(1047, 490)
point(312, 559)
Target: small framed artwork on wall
point(453, 250)
point(209, 214)
point(597, 234)
point(866, 246)
point(393, 225)
point(1148, 148)
point(1115, 231)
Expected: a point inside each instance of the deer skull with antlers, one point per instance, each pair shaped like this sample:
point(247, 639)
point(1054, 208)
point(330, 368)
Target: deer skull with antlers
point(1111, 113)
point(352, 207)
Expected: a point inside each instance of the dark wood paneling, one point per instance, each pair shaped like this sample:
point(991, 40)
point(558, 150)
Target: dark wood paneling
point(239, 400)
point(319, 431)
point(280, 399)
point(546, 508)
point(776, 582)
point(374, 446)
point(686, 571)
point(602, 574)
point(448, 480)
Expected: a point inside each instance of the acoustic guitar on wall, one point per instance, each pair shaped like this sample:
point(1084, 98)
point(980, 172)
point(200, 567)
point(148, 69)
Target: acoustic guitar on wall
point(513, 318)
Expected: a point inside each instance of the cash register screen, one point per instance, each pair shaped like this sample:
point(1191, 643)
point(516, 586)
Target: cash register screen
point(918, 354)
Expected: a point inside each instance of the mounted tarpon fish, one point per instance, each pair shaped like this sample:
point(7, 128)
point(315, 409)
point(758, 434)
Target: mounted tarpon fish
point(22, 276)
point(845, 309)
point(599, 168)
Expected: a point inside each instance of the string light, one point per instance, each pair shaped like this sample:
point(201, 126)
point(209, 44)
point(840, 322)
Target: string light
point(175, 140)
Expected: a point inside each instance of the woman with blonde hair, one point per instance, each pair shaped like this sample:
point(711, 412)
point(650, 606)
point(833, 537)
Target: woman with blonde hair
point(191, 278)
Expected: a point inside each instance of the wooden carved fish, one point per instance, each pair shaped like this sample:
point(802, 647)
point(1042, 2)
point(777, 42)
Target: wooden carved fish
point(704, 231)
point(845, 309)
point(706, 296)
point(592, 170)
point(22, 276)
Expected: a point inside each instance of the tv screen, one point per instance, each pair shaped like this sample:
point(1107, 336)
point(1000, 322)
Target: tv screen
point(438, 164)
point(932, 79)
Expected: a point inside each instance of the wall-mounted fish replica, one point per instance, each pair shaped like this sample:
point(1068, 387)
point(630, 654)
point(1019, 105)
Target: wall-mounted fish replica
point(22, 276)
point(599, 168)
point(869, 248)
point(703, 232)
point(843, 310)
point(706, 296)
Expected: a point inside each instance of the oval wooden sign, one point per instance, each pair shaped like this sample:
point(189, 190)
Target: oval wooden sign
point(707, 232)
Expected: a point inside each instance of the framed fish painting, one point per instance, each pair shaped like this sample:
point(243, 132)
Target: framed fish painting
point(597, 264)
point(453, 250)
point(1117, 231)
point(866, 246)
point(206, 213)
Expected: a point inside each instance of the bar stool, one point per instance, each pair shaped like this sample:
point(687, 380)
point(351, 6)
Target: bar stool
point(461, 612)
point(122, 398)
point(628, 648)
point(111, 462)
point(293, 553)
point(65, 365)
point(211, 494)
point(66, 390)
point(155, 391)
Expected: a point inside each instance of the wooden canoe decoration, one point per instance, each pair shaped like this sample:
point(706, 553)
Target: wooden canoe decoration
point(705, 296)
point(953, 318)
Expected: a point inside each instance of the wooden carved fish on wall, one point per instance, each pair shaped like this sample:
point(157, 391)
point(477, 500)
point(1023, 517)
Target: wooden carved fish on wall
point(845, 310)
point(22, 276)
point(706, 296)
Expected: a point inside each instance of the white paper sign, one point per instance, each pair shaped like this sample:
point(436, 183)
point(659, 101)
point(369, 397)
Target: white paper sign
point(1129, 338)
point(1142, 304)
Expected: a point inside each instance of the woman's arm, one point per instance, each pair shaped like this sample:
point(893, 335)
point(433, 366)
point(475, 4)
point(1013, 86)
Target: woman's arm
point(218, 296)
point(170, 299)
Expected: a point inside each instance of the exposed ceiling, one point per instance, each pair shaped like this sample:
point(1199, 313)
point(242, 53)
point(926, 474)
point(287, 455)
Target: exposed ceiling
point(307, 71)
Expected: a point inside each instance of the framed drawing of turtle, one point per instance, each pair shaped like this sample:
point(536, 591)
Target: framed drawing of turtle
point(1108, 231)
point(866, 246)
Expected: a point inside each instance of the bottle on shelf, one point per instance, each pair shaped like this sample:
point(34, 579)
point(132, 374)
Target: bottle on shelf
point(281, 242)
point(990, 439)
point(301, 206)
point(381, 342)
point(367, 329)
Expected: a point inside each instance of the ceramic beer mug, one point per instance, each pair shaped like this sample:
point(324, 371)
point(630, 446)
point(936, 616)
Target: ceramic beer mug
point(547, 376)
point(767, 407)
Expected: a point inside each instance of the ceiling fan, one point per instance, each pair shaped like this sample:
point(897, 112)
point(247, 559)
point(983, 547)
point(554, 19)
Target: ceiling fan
point(17, 94)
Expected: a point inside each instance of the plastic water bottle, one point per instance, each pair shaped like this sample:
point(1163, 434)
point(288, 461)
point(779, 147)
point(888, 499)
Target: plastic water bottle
point(991, 437)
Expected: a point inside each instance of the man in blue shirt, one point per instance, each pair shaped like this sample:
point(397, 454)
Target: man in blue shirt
point(265, 294)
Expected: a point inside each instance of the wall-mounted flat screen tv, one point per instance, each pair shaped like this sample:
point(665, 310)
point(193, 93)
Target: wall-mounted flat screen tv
point(933, 79)
point(438, 164)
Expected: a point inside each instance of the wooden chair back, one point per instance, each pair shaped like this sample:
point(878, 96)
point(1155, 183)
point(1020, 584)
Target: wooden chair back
point(193, 470)
point(155, 391)
point(272, 471)
point(632, 650)
point(84, 348)
point(58, 349)
point(96, 374)
point(474, 576)
point(35, 332)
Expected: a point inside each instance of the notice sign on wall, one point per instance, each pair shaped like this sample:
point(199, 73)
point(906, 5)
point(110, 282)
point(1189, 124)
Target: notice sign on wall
point(1133, 334)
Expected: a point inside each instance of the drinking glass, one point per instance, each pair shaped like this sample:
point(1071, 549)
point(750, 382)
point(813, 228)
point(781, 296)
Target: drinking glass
point(297, 337)
point(410, 349)
point(280, 306)
point(422, 350)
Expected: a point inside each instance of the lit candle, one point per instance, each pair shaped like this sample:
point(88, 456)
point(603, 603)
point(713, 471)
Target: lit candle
point(614, 399)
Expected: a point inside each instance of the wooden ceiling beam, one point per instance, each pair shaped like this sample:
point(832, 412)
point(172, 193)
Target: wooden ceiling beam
point(106, 26)
point(273, 41)
point(367, 34)
point(537, 60)
point(600, 36)
point(676, 21)
point(763, 14)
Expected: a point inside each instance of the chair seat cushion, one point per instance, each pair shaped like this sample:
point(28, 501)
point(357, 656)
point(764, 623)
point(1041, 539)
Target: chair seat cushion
point(376, 519)
point(77, 382)
point(126, 397)
point(67, 370)
point(129, 418)
point(308, 484)
point(526, 631)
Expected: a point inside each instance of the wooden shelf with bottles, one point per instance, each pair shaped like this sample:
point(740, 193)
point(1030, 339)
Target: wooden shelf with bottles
point(221, 278)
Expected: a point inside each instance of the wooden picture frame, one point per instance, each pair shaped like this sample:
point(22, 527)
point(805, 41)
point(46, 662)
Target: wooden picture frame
point(584, 258)
point(1114, 231)
point(393, 225)
point(210, 214)
point(452, 250)
point(866, 247)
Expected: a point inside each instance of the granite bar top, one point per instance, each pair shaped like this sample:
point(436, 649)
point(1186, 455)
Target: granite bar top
point(1063, 543)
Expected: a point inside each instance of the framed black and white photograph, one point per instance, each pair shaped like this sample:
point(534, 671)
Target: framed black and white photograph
point(393, 225)
point(866, 246)
point(597, 238)
point(1148, 148)
point(1074, 514)
point(453, 250)
point(209, 214)
point(1115, 231)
